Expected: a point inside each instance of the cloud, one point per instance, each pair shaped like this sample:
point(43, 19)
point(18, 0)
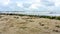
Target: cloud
point(30, 5)
point(4, 2)
point(48, 2)
point(34, 6)
point(19, 4)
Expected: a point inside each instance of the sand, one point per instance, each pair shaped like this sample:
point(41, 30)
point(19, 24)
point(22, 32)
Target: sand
point(12, 24)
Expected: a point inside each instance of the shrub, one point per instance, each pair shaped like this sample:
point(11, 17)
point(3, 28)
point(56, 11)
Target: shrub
point(52, 17)
point(58, 18)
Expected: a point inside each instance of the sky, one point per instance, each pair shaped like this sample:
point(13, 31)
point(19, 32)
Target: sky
point(47, 6)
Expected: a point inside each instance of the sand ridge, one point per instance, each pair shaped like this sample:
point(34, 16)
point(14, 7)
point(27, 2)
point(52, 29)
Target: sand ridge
point(12, 24)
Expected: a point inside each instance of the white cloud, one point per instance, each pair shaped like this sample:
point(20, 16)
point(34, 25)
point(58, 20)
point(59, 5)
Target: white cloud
point(37, 1)
point(57, 2)
point(41, 5)
point(19, 4)
point(35, 4)
point(4, 2)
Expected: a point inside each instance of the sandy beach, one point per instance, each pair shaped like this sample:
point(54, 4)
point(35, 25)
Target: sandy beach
point(13, 24)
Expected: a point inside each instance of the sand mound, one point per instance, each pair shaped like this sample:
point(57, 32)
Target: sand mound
point(11, 24)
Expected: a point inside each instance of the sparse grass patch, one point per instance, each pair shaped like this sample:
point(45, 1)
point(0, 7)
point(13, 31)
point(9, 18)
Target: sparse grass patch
point(11, 25)
point(41, 24)
point(16, 17)
point(26, 18)
point(1, 16)
point(5, 19)
point(23, 23)
point(58, 26)
point(56, 31)
point(23, 27)
point(34, 30)
point(30, 20)
point(46, 27)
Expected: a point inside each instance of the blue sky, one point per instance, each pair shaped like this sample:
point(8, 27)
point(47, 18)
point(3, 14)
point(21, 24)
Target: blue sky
point(30, 5)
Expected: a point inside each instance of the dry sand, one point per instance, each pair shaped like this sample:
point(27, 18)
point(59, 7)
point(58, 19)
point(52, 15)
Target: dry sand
point(11, 24)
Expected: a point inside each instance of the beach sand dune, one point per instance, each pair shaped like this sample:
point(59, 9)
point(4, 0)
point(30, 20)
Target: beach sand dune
point(12, 24)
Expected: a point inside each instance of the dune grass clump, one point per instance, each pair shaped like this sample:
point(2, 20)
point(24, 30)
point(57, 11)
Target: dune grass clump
point(31, 21)
point(56, 31)
point(5, 19)
point(46, 27)
point(58, 26)
point(34, 30)
point(41, 24)
point(23, 27)
point(1, 16)
point(16, 17)
point(23, 23)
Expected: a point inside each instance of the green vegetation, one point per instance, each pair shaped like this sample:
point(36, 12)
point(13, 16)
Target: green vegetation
point(49, 17)
point(58, 18)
